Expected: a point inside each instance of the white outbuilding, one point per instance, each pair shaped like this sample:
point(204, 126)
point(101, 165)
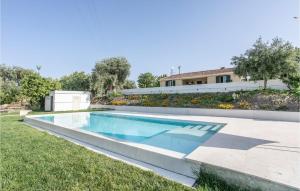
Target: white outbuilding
point(67, 100)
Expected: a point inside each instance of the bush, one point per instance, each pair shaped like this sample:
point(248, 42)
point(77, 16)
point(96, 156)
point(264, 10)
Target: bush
point(195, 101)
point(134, 97)
point(244, 105)
point(225, 98)
point(119, 102)
point(225, 106)
point(165, 103)
point(148, 103)
point(35, 88)
point(258, 99)
point(113, 95)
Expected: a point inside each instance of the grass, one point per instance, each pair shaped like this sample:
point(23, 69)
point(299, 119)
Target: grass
point(34, 160)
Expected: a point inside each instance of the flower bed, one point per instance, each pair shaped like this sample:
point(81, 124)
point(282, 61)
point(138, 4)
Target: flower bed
point(255, 100)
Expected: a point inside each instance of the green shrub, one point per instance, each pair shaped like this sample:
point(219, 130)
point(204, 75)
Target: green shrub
point(225, 98)
point(119, 102)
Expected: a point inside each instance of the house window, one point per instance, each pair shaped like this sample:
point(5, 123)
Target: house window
point(170, 83)
point(223, 79)
point(199, 82)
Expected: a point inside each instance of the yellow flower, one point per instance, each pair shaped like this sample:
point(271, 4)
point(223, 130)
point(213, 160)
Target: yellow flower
point(225, 106)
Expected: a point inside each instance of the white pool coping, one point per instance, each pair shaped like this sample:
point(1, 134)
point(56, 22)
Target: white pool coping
point(258, 153)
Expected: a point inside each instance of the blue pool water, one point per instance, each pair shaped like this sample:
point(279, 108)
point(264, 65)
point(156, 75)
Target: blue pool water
point(175, 135)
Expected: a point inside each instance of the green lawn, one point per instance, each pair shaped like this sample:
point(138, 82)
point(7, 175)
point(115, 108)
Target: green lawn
point(35, 160)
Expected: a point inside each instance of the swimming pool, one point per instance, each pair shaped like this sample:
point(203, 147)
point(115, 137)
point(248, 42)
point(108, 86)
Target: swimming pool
point(175, 135)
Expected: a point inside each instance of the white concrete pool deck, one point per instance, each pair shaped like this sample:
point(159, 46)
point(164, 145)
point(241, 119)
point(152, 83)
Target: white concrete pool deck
point(264, 149)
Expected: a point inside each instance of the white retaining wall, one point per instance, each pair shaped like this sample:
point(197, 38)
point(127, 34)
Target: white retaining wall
point(248, 114)
point(218, 87)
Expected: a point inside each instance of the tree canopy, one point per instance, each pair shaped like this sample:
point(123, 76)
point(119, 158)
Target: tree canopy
point(9, 92)
point(129, 84)
point(265, 61)
point(157, 83)
point(13, 73)
point(10, 77)
point(34, 87)
point(77, 81)
point(291, 74)
point(109, 75)
point(148, 80)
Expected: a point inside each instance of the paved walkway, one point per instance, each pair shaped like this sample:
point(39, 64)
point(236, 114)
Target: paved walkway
point(265, 149)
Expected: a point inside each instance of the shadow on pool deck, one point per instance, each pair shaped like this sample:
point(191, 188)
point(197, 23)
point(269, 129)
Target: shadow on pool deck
point(222, 140)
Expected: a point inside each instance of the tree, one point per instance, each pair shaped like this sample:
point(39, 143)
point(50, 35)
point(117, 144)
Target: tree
point(35, 88)
point(14, 73)
point(7, 73)
point(129, 84)
point(291, 73)
point(146, 80)
point(79, 81)
point(109, 75)
point(157, 83)
point(10, 77)
point(9, 92)
point(264, 60)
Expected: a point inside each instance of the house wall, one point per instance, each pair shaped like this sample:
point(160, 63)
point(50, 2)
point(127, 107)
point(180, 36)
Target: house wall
point(210, 79)
point(235, 78)
point(194, 81)
point(162, 83)
point(177, 83)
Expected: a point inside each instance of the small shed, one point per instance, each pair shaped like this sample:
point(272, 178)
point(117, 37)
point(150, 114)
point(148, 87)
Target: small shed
point(67, 100)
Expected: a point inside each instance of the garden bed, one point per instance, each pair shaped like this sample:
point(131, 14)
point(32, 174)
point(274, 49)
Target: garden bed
point(271, 100)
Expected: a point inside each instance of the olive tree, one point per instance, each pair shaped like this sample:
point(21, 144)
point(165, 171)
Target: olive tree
point(109, 75)
point(264, 61)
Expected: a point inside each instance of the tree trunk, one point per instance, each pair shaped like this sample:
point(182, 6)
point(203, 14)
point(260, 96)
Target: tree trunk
point(265, 84)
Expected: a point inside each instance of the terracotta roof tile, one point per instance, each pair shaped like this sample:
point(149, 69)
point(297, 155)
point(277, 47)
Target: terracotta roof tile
point(198, 74)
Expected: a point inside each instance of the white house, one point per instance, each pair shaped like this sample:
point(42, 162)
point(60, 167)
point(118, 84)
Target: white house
point(67, 100)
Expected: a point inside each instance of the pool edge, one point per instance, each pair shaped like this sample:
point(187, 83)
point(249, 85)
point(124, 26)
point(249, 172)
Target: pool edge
point(159, 159)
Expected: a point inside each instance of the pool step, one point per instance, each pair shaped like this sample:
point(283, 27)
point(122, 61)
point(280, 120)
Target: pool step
point(204, 127)
point(189, 127)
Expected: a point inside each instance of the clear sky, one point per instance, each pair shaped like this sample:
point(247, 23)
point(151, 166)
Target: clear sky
point(71, 35)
